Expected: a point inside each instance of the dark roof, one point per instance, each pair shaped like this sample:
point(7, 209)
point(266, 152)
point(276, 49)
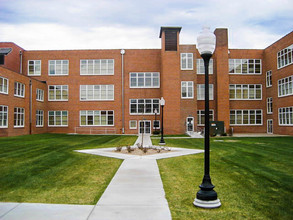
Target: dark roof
point(5, 51)
point(169, 28)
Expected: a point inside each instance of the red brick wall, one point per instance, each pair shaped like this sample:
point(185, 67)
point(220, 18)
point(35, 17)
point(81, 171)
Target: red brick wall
point(12, 60)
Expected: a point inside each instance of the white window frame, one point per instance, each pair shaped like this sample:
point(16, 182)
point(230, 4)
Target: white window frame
point(61, 115)
point(245, 87)
point(36, 65)
point(269, 78)
point(19, 89)
point(201, 113)
point(97, 67)
point(64, 67)
point(285, 57)
point(144, 103)
point(268, 122)
point(200, 67)
point(40, 95)
point(61, 90)
point(94, 113)
point(186, 61)
point(188, 86)
point(285, 116)
point(249, 115)
point(96, 90)
point(4, 116)
point(244, 64)
point(143, 75)
point(270, 105)
point(4, 87)
point(19, 121)
point(39, 118)
point(201, 91)
point(133, 127)
point(285, 86)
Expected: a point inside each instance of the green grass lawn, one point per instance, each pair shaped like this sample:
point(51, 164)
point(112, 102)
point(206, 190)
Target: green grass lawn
point(45, 169)
point(253, 178)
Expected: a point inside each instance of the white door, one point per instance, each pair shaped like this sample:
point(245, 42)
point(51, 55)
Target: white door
point(144, 127)
point(189, 124)
point(270, 126)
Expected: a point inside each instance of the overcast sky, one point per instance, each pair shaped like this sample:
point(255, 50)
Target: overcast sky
point(107, 24)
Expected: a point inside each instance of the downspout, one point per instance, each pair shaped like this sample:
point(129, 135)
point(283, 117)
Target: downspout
point(30, 108)
point(20, 67)
point(122, 92)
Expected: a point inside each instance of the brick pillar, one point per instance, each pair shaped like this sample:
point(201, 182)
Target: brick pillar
point(222, 77)
point(170, 78)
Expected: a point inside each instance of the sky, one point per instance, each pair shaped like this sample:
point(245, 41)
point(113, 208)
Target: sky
point(135, 24)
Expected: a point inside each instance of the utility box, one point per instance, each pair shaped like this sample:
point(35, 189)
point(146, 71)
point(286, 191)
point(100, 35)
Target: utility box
point(217, 128)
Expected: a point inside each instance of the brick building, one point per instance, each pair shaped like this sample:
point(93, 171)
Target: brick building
point(118, 91)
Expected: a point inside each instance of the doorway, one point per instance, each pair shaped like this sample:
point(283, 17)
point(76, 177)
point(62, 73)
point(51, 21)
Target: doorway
point(270, 126)
point(189, 124)
point(144, 127)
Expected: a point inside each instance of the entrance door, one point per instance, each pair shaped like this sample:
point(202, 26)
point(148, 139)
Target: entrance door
point(189, 124)
point(270, 126)
point(144, 127)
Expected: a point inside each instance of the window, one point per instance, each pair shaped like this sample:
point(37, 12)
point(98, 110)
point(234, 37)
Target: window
point(201, 117)
point(39, 118)
point(270, 105)
point(285, 57)
point(187, 90)
point(285, 86)
point(40, 95)
point(96, 118)
point(200, 66)
point(144, 80)
point(58, 67)
point(97, 67)
point(269, 78)
point(3, 85)
point(286, 116)
point(245, 117)
point(57, 118)
point(244, 66)
point(58, 93)
point(18, 117)
point(132, 124)
point(34, 67)
point(19, 89)
point(3, 116)
point(156, 124)
point(96, 92)
point(245, 92)
point(200, 91)
point(144, 106)
point(186, 61)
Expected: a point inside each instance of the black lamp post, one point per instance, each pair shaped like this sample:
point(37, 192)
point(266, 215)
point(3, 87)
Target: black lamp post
point(155, 124)
point(162, 103)
point(206, 197)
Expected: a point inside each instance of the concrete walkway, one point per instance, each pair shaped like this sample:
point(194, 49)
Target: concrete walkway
point(135, 193)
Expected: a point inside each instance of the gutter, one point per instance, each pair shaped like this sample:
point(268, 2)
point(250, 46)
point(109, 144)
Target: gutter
point(122, 92)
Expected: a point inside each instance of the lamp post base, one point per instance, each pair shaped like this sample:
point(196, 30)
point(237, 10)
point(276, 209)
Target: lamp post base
point(162, 143)
point(207, 204)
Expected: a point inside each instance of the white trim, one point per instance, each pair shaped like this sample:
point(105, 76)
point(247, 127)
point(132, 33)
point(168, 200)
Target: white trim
point(38, 94)
point(248, 92)
point(144, 105)
point(28, 66)
point(107, 125)
point(241, 63)
point(157, 128)
point(248, 117)
point(286, 112)
point(19, 126)
point(200, 63)
point(200, 93)
point(186, 127)
point(58, 100)
point(7, 80)
point(269, 101)
point(144, 126)
point(55, 118)
point(61, 68)
point(202, 110)
point(285, 84)
point(95, 74)
point(144, 87)
point(269, 74)
point(107, 93)
point(132, 128)
point(7, 114)
point(186, 61)
point(271, 125)
point(42, 125)
point(22, 89)
point(192, 97)
point(282, 55)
